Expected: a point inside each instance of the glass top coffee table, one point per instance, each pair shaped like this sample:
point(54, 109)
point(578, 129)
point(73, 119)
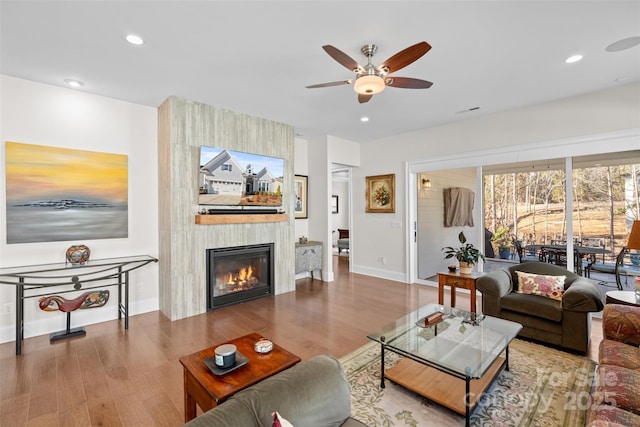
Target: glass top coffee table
point(451, 361)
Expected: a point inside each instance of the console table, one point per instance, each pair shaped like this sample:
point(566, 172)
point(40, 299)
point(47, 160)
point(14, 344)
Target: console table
point(33, 281)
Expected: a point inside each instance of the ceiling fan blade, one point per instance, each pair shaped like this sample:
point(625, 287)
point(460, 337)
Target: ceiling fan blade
point(342, 58)
point(405, 57)
point(364, 98)
point(407, 83)
point(341, 82)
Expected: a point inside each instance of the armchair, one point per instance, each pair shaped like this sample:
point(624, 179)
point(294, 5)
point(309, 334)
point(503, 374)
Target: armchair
point(616, 395)
point(564, 323)
point(343, 240)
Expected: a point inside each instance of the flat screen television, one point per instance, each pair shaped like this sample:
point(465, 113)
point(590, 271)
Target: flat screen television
point(235, 178)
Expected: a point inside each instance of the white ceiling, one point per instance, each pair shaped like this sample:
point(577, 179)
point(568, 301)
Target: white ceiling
point(257, 57)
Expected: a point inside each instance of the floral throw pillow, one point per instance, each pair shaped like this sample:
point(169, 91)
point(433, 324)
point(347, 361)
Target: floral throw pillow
point(539, 284)
point(278, 421)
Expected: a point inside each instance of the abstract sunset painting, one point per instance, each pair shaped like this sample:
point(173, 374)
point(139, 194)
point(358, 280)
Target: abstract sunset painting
point(56, 194)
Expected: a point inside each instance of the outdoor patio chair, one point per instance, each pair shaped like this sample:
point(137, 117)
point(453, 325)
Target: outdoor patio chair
point(617, 269)
point(523, 255)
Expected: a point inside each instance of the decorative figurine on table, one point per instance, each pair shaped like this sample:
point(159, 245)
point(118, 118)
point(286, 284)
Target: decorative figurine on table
point(86, 300)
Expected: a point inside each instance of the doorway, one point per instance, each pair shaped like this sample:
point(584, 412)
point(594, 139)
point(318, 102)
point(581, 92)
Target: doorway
point(341, 232)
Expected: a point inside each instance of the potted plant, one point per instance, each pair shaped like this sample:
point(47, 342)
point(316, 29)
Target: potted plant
point(466, 254)
point(503, 241)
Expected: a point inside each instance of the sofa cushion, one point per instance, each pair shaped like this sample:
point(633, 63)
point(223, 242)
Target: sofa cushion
point(230, 413)
point(611, 416)
point(619, 387)
point(279, 421)
point(314, 393)
point(619, 354)
point(621, 323)
point(533, 305)
point(543, 268)
point(541, 284)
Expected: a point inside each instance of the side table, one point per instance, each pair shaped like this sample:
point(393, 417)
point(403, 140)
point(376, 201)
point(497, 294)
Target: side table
point(457, 280)
point(308, 257)
point(207, 390)
point(623, 297)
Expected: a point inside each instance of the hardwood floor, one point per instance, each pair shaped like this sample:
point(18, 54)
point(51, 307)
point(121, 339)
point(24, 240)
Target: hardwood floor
point(114, 377)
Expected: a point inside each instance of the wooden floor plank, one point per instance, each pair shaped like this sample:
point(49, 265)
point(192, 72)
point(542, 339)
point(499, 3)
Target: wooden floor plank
point(76, 417)
point(319, 318)
point(43, 395)
point(14, 410)
point(104, 414)
point(70, 388)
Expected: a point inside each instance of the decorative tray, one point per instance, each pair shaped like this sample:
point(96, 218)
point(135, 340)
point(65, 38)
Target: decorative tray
point(430, 319)
point(241, 360)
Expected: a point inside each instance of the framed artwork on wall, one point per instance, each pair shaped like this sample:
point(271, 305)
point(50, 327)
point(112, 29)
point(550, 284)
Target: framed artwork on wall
point(56, 194)
point(334, 204)
point(381, 193)
point(300, 207)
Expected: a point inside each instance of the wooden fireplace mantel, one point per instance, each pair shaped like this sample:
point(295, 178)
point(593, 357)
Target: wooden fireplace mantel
point(240, 219)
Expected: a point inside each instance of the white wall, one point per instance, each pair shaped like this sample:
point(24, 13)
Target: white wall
point(340, 219)
point(301, 167)
point(41, 114)
point(432, 235)
point(605, 111)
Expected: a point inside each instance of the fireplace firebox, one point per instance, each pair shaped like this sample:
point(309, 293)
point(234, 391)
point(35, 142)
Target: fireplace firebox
point(237, 274)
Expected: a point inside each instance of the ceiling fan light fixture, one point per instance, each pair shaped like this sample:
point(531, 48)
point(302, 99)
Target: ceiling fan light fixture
point(573, 58)
point(369, 84)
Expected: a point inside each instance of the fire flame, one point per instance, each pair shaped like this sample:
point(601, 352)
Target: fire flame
point(245, 274)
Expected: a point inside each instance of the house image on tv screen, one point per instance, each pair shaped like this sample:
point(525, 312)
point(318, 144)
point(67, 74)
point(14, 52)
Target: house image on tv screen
point(234, 178)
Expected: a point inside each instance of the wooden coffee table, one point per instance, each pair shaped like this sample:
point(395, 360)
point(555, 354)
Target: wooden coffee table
point(201, 386)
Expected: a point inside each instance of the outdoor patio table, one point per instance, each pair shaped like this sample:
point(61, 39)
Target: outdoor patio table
point(581, 251)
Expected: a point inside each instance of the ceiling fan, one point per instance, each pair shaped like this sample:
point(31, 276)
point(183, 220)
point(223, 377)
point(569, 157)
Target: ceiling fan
point(370, 79)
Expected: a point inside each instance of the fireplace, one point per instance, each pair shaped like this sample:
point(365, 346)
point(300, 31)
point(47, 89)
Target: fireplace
point(237, 274)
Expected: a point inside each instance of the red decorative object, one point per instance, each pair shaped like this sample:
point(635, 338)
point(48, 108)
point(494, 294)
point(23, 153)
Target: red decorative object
point(86, 300)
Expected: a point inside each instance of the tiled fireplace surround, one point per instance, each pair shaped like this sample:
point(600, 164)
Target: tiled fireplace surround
point(183, 126)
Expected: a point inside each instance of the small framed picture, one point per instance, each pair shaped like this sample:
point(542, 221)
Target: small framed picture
point(300, 207)
point(381, 193)
point(334, 204)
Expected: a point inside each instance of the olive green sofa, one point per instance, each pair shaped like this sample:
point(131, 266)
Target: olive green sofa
point(313, 393)
point(565, 323)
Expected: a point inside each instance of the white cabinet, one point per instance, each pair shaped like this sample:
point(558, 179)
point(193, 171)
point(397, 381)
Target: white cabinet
point(308, 257)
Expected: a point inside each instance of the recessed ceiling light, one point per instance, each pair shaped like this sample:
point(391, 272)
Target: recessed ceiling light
point(74, 83)
point(136, 40)
point(572, 59)
point(623, 44)
point(364, 119)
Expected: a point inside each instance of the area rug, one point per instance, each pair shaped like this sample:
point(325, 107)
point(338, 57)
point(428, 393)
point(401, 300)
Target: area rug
point(544, 387)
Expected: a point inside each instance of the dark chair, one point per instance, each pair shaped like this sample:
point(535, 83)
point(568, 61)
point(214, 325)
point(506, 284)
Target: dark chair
point(565, 323)
point(488, 247)
point(522, 255)
point(617, 269)
point(343, 240)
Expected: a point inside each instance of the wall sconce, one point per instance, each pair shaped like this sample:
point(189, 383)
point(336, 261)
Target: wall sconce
point(426, 184)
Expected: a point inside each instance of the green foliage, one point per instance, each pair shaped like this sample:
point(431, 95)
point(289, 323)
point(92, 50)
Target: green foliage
point(502, 238)
point(465, 253)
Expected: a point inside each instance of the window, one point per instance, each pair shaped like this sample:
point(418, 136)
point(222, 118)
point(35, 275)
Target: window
point(531, 204)
point(226, 167)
